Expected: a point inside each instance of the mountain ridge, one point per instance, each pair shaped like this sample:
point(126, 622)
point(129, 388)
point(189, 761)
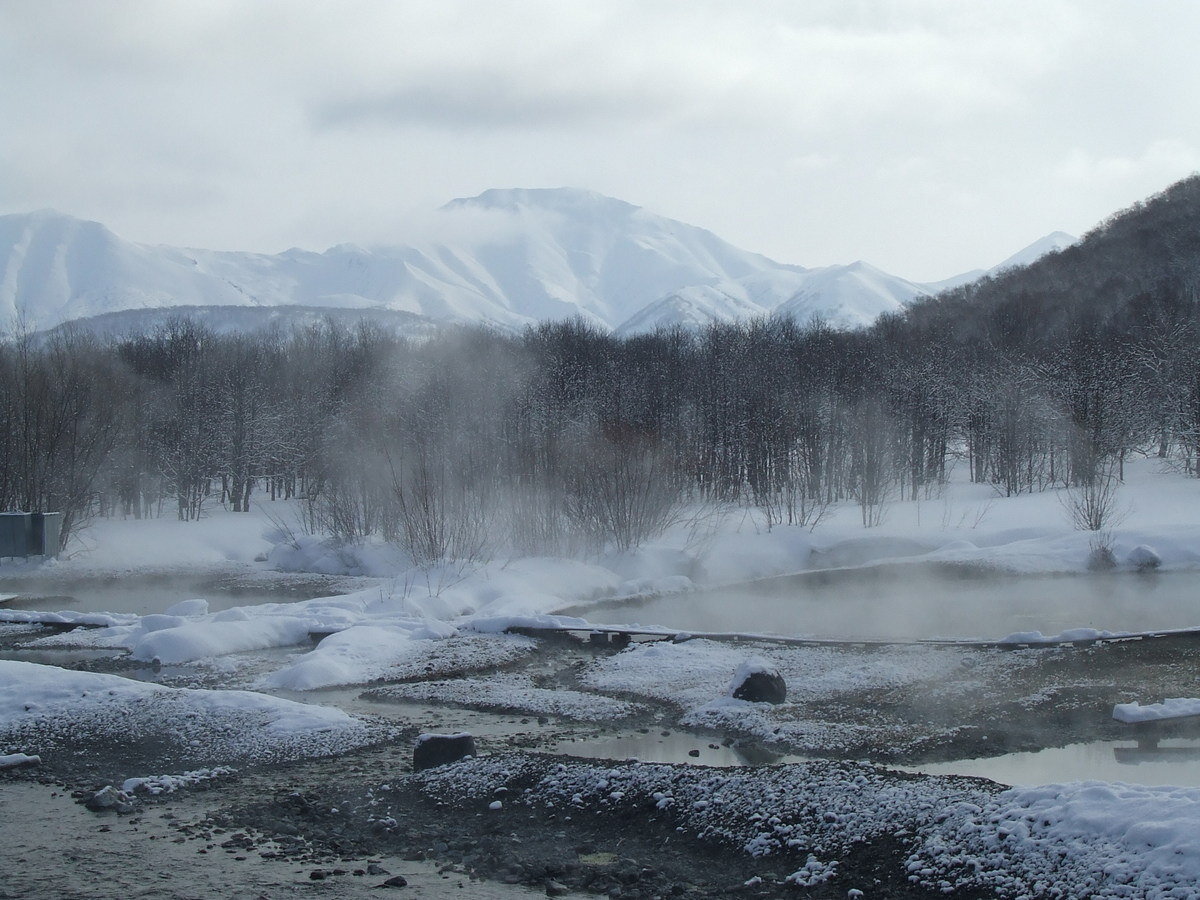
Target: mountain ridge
point(515, 257)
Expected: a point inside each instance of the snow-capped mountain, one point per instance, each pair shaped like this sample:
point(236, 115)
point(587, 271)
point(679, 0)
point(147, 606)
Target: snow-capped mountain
point(507, 257)
point(1051, 243)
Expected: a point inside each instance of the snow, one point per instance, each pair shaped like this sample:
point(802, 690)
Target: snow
point(429, 736)
point(166, 784)
point(1094, 839)
point(357, 655)
point(756, 665)
point(695, 676)
point(45, 705)
point(12, 760)
point(814, 872)
point(761, 811)
point(507, 257)
point(187, 642)
point(1173, 708)
point(1144, 557)
point(1063, 637)
point(509, 692)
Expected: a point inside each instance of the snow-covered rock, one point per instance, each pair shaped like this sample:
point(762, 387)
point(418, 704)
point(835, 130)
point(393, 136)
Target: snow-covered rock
point(757, 681)
point(1144, 558)
point(1173, 708)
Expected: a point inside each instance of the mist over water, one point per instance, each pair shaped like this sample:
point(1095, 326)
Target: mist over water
point(888, 605)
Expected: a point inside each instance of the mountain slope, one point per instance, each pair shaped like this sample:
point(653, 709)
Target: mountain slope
point(515, 257)
point(1138, 269)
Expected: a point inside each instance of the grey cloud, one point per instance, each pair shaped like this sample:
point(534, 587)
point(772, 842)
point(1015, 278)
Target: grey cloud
point(455, 100)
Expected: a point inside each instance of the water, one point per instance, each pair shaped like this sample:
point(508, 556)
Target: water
point(916, 603)
point(1173, 761)
point(51, 847)
point(146, 596)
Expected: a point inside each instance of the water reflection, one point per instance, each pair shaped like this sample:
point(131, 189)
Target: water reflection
point(1174, 761)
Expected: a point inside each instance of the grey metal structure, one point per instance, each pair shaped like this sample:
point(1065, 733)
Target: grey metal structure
point(47, 534)
point(30, 534)
point(16, 534)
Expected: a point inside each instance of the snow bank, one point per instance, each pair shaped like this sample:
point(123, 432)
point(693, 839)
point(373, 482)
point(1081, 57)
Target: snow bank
point(187, 642)
point(1092, 839)
point(53, 709)
point(31, 691)
point(1063, 637)
point(396, 650)
point(1173, 708)
point(516, 693)
point(12, 760)
point(357, 655)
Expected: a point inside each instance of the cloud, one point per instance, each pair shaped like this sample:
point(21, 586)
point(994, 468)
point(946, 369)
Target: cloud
point(470, 99)
point(927, 136)
point(1157, 159)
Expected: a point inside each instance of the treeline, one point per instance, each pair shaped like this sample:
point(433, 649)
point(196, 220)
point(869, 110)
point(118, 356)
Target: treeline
point(565, 439)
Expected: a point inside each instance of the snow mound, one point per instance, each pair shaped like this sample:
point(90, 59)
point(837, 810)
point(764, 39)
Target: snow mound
point(1088, 839)
point(52, 710)
point(1173, 708)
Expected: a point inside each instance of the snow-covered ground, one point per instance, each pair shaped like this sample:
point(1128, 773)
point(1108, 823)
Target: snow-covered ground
point(57, 706)
point(432, 626)
point(402, 607)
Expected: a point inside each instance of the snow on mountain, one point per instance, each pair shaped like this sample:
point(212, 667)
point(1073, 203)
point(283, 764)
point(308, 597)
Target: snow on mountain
point(691, 307)
point(850, 296)
point(506, 257)
point(1051, 243)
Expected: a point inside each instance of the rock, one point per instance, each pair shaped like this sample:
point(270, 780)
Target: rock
point(109, 798)
point(376, 869)
point(440, 749)
point(1144, 558)
point(396, 881)
point(757, 682)
point(556, 889)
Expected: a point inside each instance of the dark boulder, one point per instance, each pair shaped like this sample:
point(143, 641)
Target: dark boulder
point(757, 682)
point(440, 749)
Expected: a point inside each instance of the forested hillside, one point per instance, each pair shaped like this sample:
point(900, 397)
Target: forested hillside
point(566, 439)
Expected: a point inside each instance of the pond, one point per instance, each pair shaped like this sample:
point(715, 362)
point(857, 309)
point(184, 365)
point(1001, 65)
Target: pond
point(154, 595)
point(1173, 761)
point(911, 603)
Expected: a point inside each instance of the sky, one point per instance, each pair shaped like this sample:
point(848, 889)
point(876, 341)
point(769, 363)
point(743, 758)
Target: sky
point(927, 137)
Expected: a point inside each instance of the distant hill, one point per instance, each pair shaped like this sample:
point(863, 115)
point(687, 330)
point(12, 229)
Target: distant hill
point(1140, 265)
point(516, 257)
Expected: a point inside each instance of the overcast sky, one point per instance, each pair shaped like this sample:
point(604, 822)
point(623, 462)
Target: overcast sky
point(925, 137)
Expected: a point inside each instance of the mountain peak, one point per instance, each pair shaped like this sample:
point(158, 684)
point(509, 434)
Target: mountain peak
point(561, 199)
point(1056, 240)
